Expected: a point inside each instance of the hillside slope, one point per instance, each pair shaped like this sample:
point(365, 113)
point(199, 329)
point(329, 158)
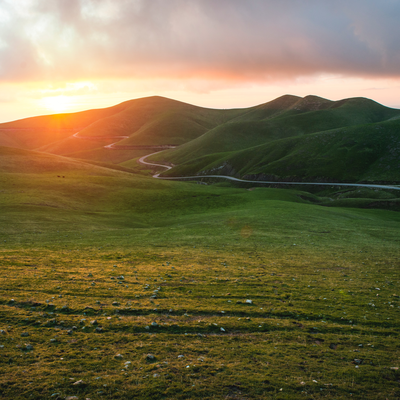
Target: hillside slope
point(369, 153)
point(289, 138)
point(282, 118)
point(34, 132)
point(149, 121)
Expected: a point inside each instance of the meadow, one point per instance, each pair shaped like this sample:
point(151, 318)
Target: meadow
point(115, 285)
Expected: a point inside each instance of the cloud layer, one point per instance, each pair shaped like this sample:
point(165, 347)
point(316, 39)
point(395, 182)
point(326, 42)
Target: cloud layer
point(249, 40)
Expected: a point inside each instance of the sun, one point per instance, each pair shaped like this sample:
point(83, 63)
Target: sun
point(57, 104)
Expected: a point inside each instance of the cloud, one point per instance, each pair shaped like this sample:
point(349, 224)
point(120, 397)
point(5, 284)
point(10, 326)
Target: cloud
point(224, 40)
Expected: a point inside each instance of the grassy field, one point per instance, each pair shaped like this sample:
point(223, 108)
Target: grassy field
point(117, 286)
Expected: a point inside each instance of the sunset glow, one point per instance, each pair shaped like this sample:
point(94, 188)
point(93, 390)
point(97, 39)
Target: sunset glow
point(229, 53)
point(57, 104)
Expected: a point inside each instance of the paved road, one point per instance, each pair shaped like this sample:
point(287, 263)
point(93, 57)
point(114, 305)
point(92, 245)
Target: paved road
point(231, 178)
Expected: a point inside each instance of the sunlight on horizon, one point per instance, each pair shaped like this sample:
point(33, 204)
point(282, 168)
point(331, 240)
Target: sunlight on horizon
point(58, 104)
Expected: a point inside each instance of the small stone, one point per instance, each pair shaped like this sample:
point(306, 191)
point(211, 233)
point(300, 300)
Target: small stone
point(29, 347)
point(181, 356)
point(150, 357)
point(99, 330)
point(69, 332)
point(79, 383)
point(119, 356)
point(115, 303)
point(94, 322)
point(222, 329)
point(24, 334)
point(249, 301)
point(3, 332)
point(154, 324)
point(53, 340)
point(333, 346)
point(357, 361)
point(156, 375)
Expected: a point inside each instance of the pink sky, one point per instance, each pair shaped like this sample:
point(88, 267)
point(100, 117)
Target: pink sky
point(70, 55)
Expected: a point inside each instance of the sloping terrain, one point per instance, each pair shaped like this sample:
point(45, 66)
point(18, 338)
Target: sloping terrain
point(348, 140)
point(101, 269)
point(150, 121)
point(289, 138)
point(369, 153)
point(159, 121)
point(32, 133)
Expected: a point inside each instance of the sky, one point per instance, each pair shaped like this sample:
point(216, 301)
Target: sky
point(71, 55)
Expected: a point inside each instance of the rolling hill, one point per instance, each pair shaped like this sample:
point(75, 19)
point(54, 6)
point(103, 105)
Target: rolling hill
point(289, 138)
point(349, 140)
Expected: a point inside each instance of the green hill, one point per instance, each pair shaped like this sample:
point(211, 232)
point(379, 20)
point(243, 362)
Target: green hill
point(289, 138)
point(349, 140)
point(148, 121)
point(158, 120)
point(369, 153)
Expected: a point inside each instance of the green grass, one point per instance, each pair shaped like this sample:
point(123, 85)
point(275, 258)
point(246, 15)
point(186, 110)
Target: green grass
point(322, 280)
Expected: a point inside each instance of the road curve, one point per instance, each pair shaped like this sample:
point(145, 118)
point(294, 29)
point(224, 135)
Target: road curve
point(231, 178)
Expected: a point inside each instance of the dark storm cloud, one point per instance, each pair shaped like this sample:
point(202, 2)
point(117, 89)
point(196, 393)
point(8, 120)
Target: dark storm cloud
point(223, 39)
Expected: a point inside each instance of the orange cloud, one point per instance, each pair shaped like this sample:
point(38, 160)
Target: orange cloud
point(252, 40)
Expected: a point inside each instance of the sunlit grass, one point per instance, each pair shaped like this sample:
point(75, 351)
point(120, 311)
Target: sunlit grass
point(236, 293)
point(93, 301)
